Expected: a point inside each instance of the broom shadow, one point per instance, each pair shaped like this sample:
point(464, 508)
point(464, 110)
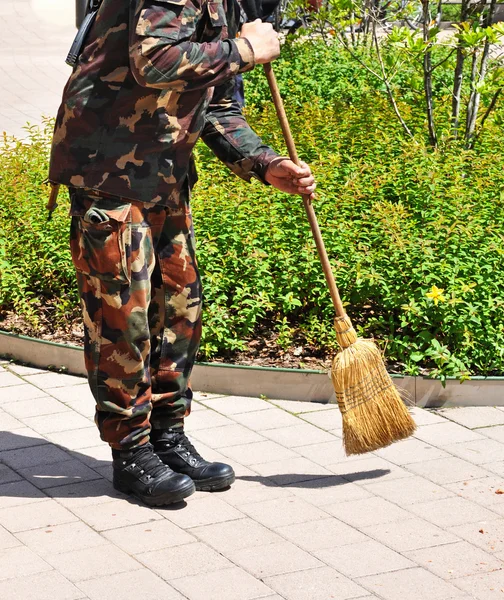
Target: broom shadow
point(301, 480)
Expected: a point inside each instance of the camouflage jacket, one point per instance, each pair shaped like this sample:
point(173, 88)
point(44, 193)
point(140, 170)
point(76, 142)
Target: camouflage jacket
point(153, 77)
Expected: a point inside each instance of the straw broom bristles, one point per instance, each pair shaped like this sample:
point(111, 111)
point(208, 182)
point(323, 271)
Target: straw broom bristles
point(373, 412)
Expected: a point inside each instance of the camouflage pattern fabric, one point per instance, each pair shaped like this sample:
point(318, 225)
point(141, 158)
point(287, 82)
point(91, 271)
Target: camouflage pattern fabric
point(153, 77)
point(141, 300)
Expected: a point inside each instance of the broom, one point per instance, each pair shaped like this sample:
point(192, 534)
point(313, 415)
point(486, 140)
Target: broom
point(373, 412)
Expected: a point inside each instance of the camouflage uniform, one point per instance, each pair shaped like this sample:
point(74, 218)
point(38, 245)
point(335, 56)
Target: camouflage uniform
point(153, 77)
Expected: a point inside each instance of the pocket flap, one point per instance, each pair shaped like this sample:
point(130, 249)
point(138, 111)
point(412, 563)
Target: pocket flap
point(99, 210)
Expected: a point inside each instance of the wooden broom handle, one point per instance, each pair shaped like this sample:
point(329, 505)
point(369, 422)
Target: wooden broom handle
point(312, 218)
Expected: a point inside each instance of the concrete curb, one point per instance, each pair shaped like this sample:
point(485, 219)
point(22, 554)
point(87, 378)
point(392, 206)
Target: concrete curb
point(281, 384)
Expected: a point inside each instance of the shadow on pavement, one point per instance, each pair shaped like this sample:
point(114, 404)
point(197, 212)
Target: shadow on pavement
point(286, 479)
point(55, 477)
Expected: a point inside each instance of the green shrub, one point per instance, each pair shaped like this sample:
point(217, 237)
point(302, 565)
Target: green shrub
point(414, 236)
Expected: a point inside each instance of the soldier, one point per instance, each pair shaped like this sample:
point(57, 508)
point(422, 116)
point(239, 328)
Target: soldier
point(152, 77)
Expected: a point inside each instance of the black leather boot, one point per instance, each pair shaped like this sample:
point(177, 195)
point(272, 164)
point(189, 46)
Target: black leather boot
point(141, 473)
point(176, 451)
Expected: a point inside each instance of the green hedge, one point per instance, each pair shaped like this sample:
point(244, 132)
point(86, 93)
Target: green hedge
point(416, 239)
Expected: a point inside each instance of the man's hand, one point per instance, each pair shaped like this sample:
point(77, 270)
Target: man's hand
point(286, 176)
point(263, 39)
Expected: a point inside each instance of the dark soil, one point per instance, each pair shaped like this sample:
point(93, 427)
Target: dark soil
point(262, 351)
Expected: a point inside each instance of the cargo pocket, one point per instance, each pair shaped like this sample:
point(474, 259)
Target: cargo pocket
point(101, 238)
point(174, 20)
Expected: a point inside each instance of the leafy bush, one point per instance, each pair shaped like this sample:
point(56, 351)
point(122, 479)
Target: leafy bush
point(414, 236)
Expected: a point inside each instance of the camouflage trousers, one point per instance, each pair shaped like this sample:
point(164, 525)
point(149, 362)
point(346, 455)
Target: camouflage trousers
point(141, 300)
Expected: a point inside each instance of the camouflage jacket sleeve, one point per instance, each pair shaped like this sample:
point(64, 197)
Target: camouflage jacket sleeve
point(230, 137)
point(163, 50)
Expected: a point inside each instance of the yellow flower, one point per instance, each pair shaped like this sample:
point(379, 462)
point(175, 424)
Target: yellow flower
point(436, 294)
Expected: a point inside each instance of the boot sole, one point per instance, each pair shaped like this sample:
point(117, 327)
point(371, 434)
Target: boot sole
point(171, 498)
point(214, 484)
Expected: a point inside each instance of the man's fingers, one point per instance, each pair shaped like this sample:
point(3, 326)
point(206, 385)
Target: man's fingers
point(305, 181)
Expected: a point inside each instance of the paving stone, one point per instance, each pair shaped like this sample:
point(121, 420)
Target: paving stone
point(325, 419)
point(274, 559)
point(486, 586)
point(34, 516)
point(24, 458)
point(413, 584)
point(496, 467)
point(96, 456)
point(10, 380)
point(488, 535)
point(49, 541)
point(474, 416)
point(41, 586)
point(8, 422)
point(88, 493)
point(63, 421)
point(479, 452)
point(367, 512)
point(74, 393)
point(364, 558)
point(183, 561)
point(7, 475)
point(327, 491)
point(227, 584)
point(494, 433)
point(262, 420)
point(90, 563)
point(444, 434)
point(46, 381)
point(455, 560)
point(149, 536)
point(84, 407)
point(141, 583)
point(35, 407)
point(23, 370)
point(315, 584)
point(297, 408)
point(369, 469)
point(20, 438)
point(303, 434)
point(117, 513)
point(290, 470)
point(408, 490)
point(410, 534)
point(236, 535)
point(232, 405)
point(56, 474)
point(20, 562)
point(482, 491)
point(7, 540)
point(227, 435)
point(205, 419)
point(283, 511)
point(448, 470)
point(22, 392)
point(18, 493)
point(411, 451)
point(318, 535)
point(247, 489)
point(423, 416)
point(325, 453)
point(258, 452)
point(201, 511)
point(451, 511)
point(76, 439)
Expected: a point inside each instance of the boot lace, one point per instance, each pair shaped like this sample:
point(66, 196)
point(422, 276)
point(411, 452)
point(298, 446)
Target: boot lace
point(149, 462)
point(182, 442)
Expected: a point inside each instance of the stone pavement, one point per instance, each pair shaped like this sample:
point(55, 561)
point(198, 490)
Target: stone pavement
point(33, 72)
point(421, 520)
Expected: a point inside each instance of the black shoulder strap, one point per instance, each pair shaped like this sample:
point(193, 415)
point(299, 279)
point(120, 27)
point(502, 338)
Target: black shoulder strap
point(81, 36)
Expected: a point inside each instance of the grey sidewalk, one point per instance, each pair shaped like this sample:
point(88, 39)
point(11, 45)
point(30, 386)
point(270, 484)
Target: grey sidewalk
point(421, 520)
point(32, 65)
